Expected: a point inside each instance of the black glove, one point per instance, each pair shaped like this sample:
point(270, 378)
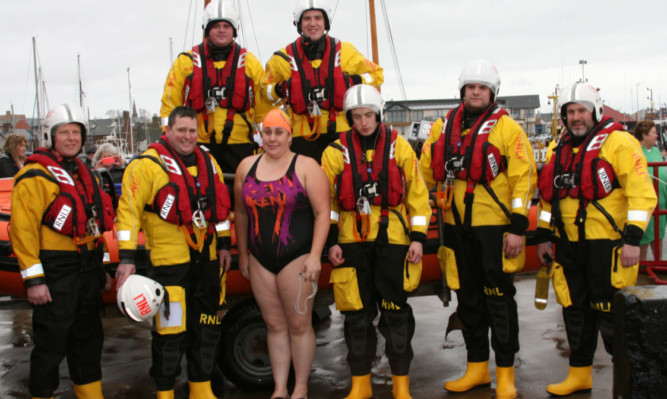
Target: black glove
point(280, 89)
point(355, 79)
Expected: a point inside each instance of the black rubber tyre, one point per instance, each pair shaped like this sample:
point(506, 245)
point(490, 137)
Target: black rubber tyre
point(244, 356)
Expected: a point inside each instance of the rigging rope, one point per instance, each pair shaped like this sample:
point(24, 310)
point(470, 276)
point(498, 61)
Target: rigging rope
point(393, 50)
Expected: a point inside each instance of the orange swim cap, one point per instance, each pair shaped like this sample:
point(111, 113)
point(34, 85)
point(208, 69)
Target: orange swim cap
point(277, 118)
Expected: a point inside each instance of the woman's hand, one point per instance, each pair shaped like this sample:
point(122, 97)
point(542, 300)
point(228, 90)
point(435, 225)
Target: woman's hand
point(312, 268)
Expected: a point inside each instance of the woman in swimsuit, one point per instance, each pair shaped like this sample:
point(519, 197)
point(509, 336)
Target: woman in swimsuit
point(282, 222)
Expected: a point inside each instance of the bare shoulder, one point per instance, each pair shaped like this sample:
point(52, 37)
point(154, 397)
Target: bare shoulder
point(307, 168)
point(245, 164)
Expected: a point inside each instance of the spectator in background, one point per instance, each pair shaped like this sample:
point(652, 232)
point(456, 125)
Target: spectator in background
point(647, 134)
point(107, 156)
point(13, 157)
point(90, 152)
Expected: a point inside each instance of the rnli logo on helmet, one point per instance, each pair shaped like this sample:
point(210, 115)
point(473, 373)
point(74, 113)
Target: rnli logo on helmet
point(62, 217)
point(166, 207)
point(493, 164)
point(142, 304)
point(604, 180)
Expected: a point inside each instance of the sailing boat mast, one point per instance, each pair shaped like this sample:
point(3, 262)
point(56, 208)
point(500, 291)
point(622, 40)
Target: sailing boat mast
point(39, 104)
point(131, 133)
point(374, 35)
point(78, 76)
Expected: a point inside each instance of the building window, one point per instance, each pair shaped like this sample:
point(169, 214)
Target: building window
point(396, 116)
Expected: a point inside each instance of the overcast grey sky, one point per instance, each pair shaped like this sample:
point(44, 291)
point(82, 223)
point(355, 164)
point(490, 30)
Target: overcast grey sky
point(535, 45)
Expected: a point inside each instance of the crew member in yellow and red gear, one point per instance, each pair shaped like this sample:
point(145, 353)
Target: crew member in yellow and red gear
point(175, 192)
point(597, 196)
point(219, 79)
point(311, 75)
point(59, 212)
point(379, 219)
point(485, 163)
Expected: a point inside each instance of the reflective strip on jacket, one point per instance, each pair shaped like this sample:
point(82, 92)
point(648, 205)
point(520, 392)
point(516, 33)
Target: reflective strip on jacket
point(30, 198)
point(514, 187)
point(142, 180)
point(415, 209)
point(172, 97)
point(632, 203)
point(278, 69)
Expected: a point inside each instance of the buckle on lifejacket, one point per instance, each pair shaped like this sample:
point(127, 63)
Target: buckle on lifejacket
point(92, 229)
point(566, 180)
point(203, 203)
point(369, 191)
point(454, 165)
point(317, 94)
point(211, 103)
point(218, 93)
point(198, 219)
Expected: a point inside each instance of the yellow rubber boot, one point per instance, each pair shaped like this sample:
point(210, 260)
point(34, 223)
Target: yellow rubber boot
point(476, 375)
point(92, 390)
point(505, 381)
point(578, 379)
point(401, 389)
point(201, 390)
point(165, 394)
point(361, 387)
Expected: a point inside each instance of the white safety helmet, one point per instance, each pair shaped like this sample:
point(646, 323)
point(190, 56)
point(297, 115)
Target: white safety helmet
point(584, 94)
point(302, 6)
point(139, 298)
point(220, 10)
point(362, 95)
point(62, 115)
point(482, 72)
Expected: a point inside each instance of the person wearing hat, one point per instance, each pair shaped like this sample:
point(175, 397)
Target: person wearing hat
point(311, 75)
point(219, 79)
point(483, 167)
point(90, 154)
point(597, 196)
point(59, 212)
point(282, 222)
point(175, 193)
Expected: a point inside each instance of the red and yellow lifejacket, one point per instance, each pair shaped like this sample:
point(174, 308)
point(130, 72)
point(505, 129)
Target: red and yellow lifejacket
point(471, 157)
point(581, 175)
point(377, 179)
point(229, 85)
point(185, 197)
point(326, 84)
point(81, 200)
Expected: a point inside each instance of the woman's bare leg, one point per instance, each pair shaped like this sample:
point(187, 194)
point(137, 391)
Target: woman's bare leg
point(265, 289)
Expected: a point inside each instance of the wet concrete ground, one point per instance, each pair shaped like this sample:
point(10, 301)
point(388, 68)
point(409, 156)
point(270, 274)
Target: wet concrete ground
point(542, 359)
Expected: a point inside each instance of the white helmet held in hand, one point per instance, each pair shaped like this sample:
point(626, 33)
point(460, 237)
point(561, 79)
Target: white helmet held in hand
point(584, 94)
point(482, 72)
point(62, 115)
point(139, 298)
point(302, 6)
point(362, 95)
point(220, 10)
